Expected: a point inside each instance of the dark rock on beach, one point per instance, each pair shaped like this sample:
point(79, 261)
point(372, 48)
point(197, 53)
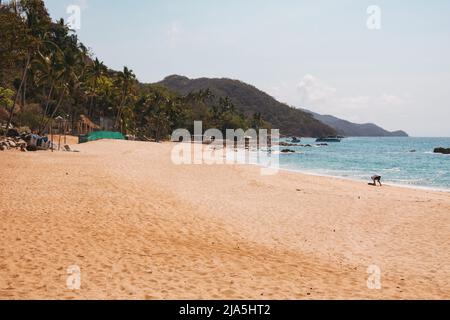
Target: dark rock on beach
point(442, 150)
point(286, 144)
point(31, 148)
point(16, 143)
point(12, 133)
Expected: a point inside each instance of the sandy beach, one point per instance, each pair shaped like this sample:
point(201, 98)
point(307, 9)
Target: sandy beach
point(141, 227)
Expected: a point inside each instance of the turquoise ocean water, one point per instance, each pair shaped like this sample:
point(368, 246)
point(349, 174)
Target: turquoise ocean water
point(360, 158)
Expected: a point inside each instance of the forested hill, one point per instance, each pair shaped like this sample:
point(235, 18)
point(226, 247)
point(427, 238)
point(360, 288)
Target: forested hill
point(350, 129)
point(250, 100)
point(46, 73)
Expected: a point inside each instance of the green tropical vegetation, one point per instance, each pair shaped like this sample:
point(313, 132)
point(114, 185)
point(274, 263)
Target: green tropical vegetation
point(253, 103)
point(47, 73)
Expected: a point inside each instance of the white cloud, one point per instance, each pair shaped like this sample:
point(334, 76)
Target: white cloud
point(83, 4)
point(314, 94)
point(392, 99)
point(354, 103)
point(313, 91)
point(174, 31)
point(279, 92)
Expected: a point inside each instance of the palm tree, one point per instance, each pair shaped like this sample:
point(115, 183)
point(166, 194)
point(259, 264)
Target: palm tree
point(94, 73)
point(36, 21)
point(48, 68)
point(68, 80)
point(257, 121)
point(24, 51)
point(125, 80)
point(158, 118)
point(19, 89)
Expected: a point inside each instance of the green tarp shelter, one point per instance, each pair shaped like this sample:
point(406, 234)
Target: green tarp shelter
point(98, 135)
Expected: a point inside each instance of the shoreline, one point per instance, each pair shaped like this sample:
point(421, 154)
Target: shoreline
point(354, 179)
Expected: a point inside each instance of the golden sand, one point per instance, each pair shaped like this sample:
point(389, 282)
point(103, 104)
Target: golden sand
point(140, 227)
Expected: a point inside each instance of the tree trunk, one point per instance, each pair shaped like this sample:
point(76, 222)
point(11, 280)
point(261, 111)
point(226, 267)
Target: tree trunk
point(47, 104)
point(91, 106)
point(90, 111)
point(53, 113)
point(158, 126)
point(119, 111)
point(118, 116)
point(24, 91)
point(24, 75)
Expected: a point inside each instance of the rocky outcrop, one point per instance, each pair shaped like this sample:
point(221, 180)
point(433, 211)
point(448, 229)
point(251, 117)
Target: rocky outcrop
point(442, 150)
point(287, 144)
point(29, 142)
point(12, 143)
point(21, 139)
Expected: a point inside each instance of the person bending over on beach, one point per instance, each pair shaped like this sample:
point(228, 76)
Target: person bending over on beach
point(375, 179)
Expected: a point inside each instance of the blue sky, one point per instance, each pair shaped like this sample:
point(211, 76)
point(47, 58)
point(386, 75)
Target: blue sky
point(315, 54)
